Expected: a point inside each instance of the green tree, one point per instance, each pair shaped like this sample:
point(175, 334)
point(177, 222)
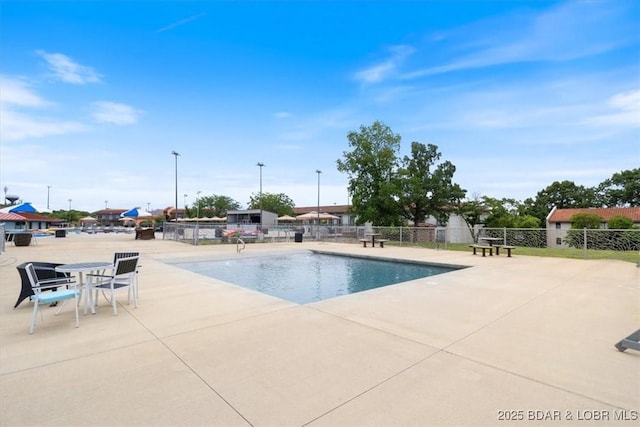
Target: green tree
point(586, 220)
point(72, 216)
point(620, 222)
point(426, 187)
point(214, 205)
point(473, 212)
point(280, 204)
point(526, 221)
point(372, 166)
point(563, 195)
point(622, 189)
point(385, 189)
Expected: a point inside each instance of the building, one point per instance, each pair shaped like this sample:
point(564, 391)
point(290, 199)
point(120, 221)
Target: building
point(250, 219)
point(559, 221)
point(28, 221)
point(108, 216)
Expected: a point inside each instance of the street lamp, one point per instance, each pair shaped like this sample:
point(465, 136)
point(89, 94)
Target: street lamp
point(198, 215)
point(261, 165)
point(148, 206)
point(318, 171)
point(175, 212)
point(48, 189)
point(106, 202)
point(184, 204)
point(70, 211)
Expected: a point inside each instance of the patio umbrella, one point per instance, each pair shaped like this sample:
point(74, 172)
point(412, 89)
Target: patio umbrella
point(88, 220)
point(314, 215)
point(286, 218)
point(137, 214)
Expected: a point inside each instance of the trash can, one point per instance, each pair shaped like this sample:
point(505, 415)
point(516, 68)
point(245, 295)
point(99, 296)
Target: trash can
point(297, 237)
point(61, 233)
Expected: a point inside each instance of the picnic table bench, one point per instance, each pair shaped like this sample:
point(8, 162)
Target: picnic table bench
point(506, 247)
point(484, 248)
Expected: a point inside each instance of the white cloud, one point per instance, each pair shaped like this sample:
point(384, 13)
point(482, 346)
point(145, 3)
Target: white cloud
point(115, 113)
point(17, 125)
point(626, 111)
point(569, 31)
point(18, 92)
point(282, 115)
point(180, 23)
point(383, 70)
point(69, 71)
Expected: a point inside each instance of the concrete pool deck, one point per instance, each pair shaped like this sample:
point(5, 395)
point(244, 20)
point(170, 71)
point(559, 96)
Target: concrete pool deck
point(508, 341)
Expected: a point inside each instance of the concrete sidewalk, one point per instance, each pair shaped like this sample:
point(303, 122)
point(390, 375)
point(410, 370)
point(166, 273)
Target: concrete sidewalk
point(508, 341)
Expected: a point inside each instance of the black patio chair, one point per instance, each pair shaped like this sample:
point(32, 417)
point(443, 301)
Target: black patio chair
point(44, 271)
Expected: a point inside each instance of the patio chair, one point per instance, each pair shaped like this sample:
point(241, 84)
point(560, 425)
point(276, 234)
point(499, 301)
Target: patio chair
point(44, 271)
point(123, 276)
point(119, 255)
point(39, 297)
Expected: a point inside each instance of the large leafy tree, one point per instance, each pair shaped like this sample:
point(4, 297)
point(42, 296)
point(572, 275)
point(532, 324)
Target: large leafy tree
point(385, 189)
point(622, 189)
point(280, 204)
point(563, 195)
point(215, 205)
point(372, 167)
point(426, 187)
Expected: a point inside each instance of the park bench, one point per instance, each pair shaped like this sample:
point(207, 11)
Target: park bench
point(364, 242)
point(484, 248)
point(381, 241)
point(506, 247)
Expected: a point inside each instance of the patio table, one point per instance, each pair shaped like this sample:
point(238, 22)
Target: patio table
point(80, 268)
point(373, 238)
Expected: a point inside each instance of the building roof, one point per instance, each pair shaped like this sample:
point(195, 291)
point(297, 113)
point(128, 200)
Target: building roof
point(564, 215)
point(10, 216)
point(37, 217)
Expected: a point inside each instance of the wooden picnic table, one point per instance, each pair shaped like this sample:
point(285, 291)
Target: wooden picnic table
point(373, 238)
point(491, 240)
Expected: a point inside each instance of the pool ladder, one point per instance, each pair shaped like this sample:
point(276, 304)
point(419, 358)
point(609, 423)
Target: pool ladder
point(238, 248)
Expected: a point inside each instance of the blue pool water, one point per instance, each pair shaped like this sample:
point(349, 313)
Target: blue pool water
point(307, 277)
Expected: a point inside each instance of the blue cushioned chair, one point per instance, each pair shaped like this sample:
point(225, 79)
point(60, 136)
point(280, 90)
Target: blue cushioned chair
point(39, 297)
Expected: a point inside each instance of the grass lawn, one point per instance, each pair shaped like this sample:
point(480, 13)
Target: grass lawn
point(629, 256)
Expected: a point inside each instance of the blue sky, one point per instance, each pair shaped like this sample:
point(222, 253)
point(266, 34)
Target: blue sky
point(517, 94)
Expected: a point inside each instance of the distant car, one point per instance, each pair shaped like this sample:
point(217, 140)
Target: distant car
point(160, 228)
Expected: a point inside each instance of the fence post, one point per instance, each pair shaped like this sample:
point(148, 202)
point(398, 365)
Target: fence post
point(584, 239)
point(504, 236)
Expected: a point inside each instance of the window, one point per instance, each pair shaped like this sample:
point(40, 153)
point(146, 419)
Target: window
point(558, 226)
point(558, 241)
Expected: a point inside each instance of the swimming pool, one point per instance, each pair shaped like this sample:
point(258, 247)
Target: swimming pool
point(304, 277)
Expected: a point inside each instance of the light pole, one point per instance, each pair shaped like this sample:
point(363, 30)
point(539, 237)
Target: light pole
point(175, 212)
point(48, 190)
point(70, 211)
point(261, 165)
point(318, 171)
point(184, 204)
point(148, 206)
point(106, 203)
point(198, 215)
